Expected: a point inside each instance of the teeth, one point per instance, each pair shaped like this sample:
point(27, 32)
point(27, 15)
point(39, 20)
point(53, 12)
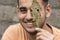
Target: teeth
point(29, 23)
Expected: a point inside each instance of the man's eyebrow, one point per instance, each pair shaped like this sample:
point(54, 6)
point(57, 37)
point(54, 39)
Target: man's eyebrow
point(23, 7)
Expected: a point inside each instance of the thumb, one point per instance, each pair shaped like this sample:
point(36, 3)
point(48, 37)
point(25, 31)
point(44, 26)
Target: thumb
point(39, 29)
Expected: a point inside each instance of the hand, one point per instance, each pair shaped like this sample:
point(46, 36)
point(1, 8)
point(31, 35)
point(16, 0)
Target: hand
point(43, 34)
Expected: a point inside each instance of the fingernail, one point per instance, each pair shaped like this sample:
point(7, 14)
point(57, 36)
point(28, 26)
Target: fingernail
point(36, 28)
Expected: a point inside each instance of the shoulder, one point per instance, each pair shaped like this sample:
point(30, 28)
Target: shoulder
point(56, 29)
point(15, 27)
point(12, 32)
point(56, 33)
point(12, 29)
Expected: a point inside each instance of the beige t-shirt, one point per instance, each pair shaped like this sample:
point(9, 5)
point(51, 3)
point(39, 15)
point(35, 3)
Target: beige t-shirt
point(16, 32)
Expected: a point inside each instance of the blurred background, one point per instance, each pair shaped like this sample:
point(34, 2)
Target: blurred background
point(8, 14)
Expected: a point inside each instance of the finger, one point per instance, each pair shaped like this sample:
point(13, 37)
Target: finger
point(41, 38)
point(47, 35)
point(42, 34)
point(38, 34)
point(39, 29)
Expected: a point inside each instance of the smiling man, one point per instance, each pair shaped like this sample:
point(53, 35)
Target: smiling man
point(33, 26)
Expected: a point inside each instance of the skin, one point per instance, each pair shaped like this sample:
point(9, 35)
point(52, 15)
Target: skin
point(26, 18)
point(44, 32)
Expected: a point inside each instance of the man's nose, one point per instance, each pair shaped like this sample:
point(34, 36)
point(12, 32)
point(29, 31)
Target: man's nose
point(29, 16)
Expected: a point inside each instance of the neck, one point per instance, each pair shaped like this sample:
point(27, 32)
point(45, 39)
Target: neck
point(47, 27)
point(32, 36)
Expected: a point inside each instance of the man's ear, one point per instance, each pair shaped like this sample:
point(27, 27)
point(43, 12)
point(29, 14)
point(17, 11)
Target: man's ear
point(48, 10)
point(17, 9)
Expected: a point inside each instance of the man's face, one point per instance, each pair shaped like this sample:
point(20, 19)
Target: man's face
point(30, 16)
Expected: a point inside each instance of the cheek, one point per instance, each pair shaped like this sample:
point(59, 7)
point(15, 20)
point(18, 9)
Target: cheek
point(21, 16)
point(43, 15)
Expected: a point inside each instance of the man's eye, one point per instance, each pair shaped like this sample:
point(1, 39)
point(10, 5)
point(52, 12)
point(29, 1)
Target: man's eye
point(23, 9)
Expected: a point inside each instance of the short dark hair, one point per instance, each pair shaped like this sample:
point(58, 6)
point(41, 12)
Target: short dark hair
point(44, 1)
point(17, 2)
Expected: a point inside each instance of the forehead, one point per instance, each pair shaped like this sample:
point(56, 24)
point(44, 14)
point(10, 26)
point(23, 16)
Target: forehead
point(28, 3)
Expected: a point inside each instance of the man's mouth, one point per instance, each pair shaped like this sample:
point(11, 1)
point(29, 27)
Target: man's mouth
point(30, 25)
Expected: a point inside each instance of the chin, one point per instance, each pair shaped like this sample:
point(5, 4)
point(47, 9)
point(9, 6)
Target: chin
point(31, 31)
